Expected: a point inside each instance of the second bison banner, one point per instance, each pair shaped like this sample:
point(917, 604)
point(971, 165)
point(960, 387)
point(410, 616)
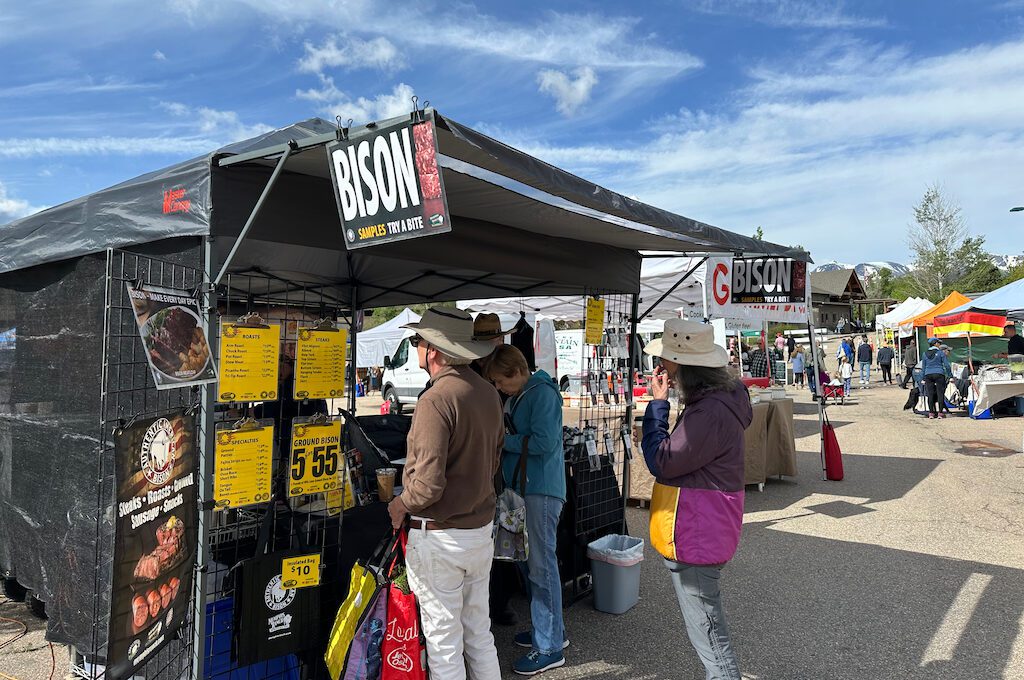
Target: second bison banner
point(388, 184)
point(154, 540)
point(758, 289)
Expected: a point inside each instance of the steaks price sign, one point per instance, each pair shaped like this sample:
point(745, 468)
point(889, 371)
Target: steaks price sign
point(388, 184)
point(320, 363)
point(154, 537)
point(177, 349)
point(316, 460)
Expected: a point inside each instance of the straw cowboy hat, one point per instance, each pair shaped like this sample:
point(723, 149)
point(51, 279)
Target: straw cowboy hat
point(689, 343)
point(451, 332)
point(488, 327)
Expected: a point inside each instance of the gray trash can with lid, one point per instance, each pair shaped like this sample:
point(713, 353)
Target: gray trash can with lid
point(615, 565)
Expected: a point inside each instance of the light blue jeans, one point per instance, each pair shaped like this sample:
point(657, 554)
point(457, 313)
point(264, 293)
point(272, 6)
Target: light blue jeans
point(865, 371)
point(542, 513)
point(701, 603)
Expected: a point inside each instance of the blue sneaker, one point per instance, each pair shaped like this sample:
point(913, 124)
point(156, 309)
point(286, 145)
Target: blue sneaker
point(525, 640)
point(535, 662)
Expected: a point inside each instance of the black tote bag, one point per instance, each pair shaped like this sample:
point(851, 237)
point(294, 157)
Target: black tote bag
point(270, 620)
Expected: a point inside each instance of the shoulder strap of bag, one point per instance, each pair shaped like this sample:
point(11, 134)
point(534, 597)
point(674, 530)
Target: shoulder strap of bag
point(519, 476)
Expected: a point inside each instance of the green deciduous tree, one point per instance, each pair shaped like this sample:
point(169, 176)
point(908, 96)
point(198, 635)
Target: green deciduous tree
point(943, 252)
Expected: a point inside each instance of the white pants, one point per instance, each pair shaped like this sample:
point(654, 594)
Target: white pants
point(450, 571)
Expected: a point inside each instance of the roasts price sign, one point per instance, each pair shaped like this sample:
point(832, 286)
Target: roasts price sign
point(320, 363)
point(248, 362)
point(172, 332)
point(388, 184)
point(243, 470)
point(595, 321)
point(300, 572)
point(155, 526)
point(316, 461)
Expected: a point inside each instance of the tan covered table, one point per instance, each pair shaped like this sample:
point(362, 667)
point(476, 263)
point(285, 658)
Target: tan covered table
point(756, 440)
point(780, 450)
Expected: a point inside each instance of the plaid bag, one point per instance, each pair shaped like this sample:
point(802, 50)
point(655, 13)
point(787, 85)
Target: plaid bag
point(511, 543)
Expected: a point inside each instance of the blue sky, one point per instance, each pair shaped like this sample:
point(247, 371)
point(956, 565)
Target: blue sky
point(822, 122)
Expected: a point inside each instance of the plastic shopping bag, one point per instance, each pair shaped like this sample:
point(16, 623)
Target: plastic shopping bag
point(404, 649)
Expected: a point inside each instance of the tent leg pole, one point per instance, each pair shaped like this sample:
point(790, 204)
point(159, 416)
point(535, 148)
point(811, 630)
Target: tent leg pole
point(352, 339)
point(670, 290)
point(818, 391)
point(634, 364)
point(255, 211)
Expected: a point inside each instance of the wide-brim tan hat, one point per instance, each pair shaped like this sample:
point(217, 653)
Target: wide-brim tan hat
point(451, 332)
point(688, 343)
point(488, 327)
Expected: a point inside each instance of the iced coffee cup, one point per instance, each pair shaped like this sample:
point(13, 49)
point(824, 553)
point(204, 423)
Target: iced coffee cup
point(386, 484)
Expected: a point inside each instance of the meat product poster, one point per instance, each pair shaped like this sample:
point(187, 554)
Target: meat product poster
point(388, 184)
point(172, 333)
point(156, 522)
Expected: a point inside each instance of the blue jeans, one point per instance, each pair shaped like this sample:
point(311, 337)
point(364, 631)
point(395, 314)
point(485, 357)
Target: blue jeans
point(848, 386)
point(542, 513)
point(865, 371)
point(701, 603)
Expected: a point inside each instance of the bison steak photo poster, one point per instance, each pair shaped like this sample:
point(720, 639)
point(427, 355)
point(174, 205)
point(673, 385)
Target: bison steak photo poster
point(156, 515)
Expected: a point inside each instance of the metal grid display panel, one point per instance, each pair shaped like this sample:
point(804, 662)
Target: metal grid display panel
point(598, 483)
point(300, 522)
point(128, 394)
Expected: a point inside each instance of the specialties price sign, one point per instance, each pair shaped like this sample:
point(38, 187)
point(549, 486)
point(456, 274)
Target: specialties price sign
point(248, 362)
point(155, 529)
point(320, 363)
point(172, 332)
point(300, 572)
point(316, 460)
point(243, 467)
point(595, 321)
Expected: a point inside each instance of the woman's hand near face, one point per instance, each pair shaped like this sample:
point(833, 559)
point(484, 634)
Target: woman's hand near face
point(660, 384)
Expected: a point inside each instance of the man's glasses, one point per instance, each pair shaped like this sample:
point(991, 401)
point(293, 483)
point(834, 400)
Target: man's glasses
point(415, 341)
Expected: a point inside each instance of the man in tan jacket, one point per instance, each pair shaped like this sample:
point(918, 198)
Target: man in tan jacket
point(448, 497)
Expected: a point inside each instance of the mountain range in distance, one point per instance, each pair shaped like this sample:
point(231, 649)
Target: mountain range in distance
point(866, 270)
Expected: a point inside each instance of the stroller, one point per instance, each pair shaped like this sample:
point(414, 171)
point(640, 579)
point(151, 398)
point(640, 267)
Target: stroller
point(837, 393)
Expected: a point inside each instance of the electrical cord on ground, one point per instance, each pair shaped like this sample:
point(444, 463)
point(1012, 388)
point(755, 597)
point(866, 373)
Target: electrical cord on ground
point(14, 639)
point(53, 662)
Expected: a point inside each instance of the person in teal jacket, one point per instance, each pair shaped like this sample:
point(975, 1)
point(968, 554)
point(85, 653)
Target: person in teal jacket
point(533, 423)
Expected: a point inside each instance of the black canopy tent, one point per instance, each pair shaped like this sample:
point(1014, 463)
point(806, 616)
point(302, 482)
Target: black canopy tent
point(519, 227)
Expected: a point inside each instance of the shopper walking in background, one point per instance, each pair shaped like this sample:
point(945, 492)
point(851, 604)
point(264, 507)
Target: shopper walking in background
point(846, 374)
point(799, 365)
point(698, 467)
point(758, 362)
point(885, 357)
point(791, 346)
point(533, 417)
point(909, 364)
point(864, 358)
point(780, 343)
point(935, 367)
point(448, 497)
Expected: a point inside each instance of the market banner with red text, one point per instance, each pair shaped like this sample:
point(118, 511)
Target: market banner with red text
point(775, 289)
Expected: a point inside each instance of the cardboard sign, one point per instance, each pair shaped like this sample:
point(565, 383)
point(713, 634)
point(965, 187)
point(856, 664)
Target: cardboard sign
point(243, 467)
point(316, 457)
point(388, 184)
point(772, 298)
point(300, 572)
point(595, 321)
point(155, 530)
point(248, 363)
point(320, 363)
point(172, 332)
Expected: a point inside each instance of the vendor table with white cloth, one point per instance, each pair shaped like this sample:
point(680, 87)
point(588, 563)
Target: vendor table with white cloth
point(991, 392)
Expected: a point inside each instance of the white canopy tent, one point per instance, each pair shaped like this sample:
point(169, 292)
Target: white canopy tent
point(910, 307)
point(382, 341)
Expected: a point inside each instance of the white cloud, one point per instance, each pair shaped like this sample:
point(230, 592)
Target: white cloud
point(349, 52)
point(159, 56)
point(34, 147)
point(12, 208)
point(333, 102)
point(226, 126)
point(569, 93)
point(847, 146)
point(827, 14)
point(66, 86)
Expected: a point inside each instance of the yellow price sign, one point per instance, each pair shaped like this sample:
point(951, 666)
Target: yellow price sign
point(300, 572)
point(316, 457)
point(243, 467)
point(320, 363)
point(595, 321)
point(335, 502)
point(248, 363)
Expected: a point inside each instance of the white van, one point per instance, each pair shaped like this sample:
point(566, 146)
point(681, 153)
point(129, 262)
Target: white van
point(403, 379)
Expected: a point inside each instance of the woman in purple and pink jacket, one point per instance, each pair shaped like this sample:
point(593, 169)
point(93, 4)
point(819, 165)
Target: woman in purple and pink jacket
point(697, 502)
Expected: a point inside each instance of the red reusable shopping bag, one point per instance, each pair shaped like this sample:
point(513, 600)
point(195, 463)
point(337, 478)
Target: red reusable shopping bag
point(403, 650)
point(833, 454)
